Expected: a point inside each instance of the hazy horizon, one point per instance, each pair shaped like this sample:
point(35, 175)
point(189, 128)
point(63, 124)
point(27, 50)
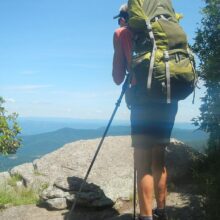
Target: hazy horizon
point(38, 125)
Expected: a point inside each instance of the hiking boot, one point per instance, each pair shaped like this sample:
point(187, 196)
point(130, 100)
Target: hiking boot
point(159, 216)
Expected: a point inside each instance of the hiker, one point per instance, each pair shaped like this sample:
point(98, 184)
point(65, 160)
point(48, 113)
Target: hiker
point(151, 126)
point(122, 16)
point(122, 41)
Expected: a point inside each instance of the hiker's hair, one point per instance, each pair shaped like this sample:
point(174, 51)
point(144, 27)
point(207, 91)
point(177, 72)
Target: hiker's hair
point(123, 12)
point(124, 8)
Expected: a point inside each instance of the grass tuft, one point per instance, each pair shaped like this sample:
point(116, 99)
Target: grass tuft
point(14, 179)
point(17, 196)
point(11, 194)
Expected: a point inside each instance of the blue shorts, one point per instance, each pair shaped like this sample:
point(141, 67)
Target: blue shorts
point(152, 123)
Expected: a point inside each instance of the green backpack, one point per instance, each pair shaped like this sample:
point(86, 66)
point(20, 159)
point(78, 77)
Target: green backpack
point(162, 62)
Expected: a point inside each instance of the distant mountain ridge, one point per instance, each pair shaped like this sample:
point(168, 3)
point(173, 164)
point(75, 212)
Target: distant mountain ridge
point(33, 125)
point(35, 146)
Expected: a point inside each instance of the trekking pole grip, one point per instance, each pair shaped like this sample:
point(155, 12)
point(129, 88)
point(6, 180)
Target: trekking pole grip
point(124, 88)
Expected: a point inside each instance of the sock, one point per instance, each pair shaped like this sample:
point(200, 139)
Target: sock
point(146, 217)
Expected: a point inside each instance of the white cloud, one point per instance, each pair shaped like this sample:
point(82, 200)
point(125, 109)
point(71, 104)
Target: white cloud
point(10, 100)
point(27, 88)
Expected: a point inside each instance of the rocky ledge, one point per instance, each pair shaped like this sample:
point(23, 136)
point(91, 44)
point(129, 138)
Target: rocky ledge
point(111, 179)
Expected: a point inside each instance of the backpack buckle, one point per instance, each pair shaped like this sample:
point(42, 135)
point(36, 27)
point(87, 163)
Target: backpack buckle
point(149, 27)
point(166, 56)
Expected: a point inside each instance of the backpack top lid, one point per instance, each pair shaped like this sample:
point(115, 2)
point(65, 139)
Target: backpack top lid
point(142, 10)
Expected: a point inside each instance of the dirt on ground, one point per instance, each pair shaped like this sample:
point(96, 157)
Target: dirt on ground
point(181, 205)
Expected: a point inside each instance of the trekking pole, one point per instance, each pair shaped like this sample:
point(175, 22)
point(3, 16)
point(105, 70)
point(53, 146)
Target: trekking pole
point(134, 202)
point(124, 88)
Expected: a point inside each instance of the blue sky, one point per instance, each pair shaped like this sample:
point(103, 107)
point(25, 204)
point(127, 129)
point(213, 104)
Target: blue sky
point(56, 57)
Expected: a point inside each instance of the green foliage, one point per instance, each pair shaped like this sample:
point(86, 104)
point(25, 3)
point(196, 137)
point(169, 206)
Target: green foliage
point(208, 184)
point(207, 47)
point(9, 130)
point(17, 196)
point(12, 194)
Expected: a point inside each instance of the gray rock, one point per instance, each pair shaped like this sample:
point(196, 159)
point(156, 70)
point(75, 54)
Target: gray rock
point(26, 171)
point(68, 184)
point(53, 192)
point(180, 159)
point(74, 184)
point(90, 196)
point(112, 177)
point(30, 176)
point(93, 200)
point(99, 203)
point(112, 171)
point(71, 198)
point(102, 203)
point(4, 177)
point(57, 203)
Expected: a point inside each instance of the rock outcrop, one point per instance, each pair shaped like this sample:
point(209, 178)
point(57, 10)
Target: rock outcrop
point(65, 192)
point(180, 160)
point(111, 178)
point(4, 177)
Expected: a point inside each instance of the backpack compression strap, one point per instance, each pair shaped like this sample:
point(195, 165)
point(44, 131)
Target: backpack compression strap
point(166, 59)
point(152, 59)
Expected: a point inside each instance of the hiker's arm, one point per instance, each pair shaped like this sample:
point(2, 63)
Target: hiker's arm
point(119, 61)
point(126, 41)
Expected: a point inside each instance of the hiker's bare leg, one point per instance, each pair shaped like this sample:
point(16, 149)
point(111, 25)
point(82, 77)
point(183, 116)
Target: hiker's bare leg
point(145, 184)
point(160, 175)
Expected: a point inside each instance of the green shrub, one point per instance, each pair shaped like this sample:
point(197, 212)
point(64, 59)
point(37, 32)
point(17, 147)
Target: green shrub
point(9, 131)
point(207, 176)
